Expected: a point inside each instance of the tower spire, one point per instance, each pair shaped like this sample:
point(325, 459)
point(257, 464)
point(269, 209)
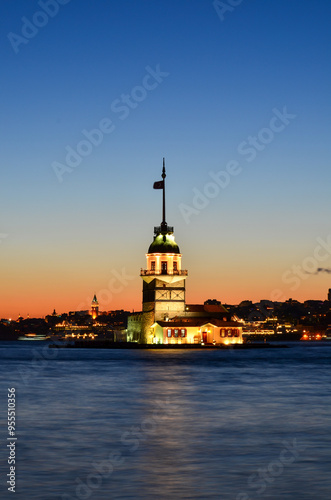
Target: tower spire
point(161, 185)
point(163, 224)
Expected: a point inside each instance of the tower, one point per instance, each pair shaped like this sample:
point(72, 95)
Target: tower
point(165, 317)
point(94, 307)
point(163, 278)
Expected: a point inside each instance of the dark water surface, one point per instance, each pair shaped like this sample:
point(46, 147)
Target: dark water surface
point(122, 424)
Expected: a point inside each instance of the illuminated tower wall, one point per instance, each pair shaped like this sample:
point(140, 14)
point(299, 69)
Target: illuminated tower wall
point(163, 279)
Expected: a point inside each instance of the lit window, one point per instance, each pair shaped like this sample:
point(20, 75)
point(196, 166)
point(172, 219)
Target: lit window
point(153, 265)
point(175, 266)
point(222, 332)
point(169, 332)
point(176, 332)
point(229, 333)
point(183, 332)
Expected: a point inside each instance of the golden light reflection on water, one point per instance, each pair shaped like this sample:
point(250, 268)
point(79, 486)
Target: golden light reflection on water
point(193, 425)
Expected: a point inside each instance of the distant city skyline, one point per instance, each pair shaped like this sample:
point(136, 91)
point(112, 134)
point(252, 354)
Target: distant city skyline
point(95, 95)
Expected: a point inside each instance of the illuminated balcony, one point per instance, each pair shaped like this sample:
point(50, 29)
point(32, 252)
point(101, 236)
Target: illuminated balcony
point(147, 272)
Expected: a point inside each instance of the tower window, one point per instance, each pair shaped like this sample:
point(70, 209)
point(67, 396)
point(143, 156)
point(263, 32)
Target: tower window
point(175, 266)
point(153, 265)
point(164, 267)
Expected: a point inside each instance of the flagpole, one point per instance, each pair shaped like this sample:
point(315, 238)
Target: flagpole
point(164, 224)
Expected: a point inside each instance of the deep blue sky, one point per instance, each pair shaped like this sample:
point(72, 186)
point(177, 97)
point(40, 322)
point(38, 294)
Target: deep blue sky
point(225, 78)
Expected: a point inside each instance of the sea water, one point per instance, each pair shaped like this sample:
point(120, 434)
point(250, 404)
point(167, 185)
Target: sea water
point(168, 424)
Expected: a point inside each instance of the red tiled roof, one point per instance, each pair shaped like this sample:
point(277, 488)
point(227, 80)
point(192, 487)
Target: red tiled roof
point(185, 322)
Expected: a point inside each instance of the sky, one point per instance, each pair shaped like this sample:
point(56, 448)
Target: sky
point(234, 94)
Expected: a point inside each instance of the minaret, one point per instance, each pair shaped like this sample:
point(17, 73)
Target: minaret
point(163, 279)
point(94, 307)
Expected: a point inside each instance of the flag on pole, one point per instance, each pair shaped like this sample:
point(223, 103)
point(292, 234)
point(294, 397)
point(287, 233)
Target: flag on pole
point(158, 185)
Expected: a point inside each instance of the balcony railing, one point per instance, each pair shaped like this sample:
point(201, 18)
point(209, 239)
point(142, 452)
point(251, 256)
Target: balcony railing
point(158, 229)
point(147, 272)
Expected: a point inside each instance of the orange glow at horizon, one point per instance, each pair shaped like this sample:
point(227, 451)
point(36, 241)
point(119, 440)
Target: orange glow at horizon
point(39, 278)
point(39, 297)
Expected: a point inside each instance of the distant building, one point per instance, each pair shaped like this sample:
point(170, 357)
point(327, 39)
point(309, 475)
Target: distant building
point(83, 313)
point(165, 317)
point(94, 307)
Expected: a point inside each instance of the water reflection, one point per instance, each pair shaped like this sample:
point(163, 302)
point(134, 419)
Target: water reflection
point(183, 425)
